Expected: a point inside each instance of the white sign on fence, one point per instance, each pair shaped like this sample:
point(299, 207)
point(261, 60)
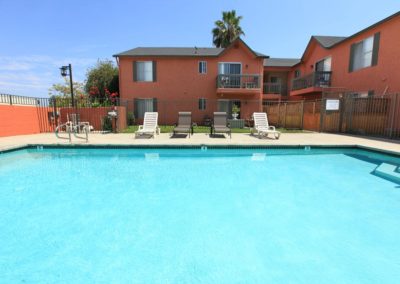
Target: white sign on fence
point(332, 105)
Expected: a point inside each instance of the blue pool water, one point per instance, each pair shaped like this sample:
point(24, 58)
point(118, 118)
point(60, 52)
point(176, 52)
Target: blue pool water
point(192, 216)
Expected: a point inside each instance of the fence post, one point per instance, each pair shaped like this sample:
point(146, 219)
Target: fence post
point(341, 113)
point(279, 113)
point(284, 121)
point(10, 99)
point(321, 116)
point(302, 114)
point(393, 116)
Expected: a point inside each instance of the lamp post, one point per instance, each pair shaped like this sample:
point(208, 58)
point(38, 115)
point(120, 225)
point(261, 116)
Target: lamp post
point(65, 71)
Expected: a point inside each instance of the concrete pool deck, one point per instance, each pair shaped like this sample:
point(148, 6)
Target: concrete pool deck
point(164, 139)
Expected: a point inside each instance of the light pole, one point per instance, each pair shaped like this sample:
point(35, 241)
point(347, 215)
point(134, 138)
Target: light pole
point(65, 71)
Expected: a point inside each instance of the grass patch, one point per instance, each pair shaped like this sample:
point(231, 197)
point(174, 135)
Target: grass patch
point(206, 129)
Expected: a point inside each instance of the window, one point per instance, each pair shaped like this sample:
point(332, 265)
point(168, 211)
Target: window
point(202, 104)
point(144, 105)
point(323, 65)
point(227, 105)
point(229, 68)
point(274, 79)
point(144, 71)
point(360, 95)
point(297, 73)
point(202, 67)
point(229, 75)
point(364, 53)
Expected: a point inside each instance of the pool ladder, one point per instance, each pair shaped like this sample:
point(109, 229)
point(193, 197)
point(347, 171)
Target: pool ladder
point(74, 129)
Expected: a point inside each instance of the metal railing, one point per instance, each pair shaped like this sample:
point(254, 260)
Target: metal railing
point(275, 88)
point(315, 79)
point(243, 81)
point(372, 116)
point(18, 100)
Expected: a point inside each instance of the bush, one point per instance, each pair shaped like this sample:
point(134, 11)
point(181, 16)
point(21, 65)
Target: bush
point(130, 118)
point(107, 124)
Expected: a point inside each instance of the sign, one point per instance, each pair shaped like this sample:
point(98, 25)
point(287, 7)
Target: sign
point(112, 113)
point(332, 105)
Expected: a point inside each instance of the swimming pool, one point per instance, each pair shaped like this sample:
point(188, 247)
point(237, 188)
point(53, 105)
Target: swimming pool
point(198, 216)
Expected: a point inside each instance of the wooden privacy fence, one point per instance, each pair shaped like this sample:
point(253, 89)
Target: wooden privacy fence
point(373, 116)
point(95, 116)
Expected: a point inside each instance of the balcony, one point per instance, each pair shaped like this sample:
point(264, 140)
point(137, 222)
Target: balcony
point(274, 89)
point(238, 83)
point(318, 79)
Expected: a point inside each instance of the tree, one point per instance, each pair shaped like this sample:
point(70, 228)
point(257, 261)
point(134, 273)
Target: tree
point(102, 80)
point(64, 90)
point(227, 29)
point(61, 93)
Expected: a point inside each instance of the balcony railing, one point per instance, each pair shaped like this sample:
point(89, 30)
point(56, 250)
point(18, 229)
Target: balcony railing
point(237, 81)
point(274, 88)
point(315, 79)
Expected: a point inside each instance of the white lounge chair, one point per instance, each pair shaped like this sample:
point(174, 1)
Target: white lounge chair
point(261, 126)
point(150, 125)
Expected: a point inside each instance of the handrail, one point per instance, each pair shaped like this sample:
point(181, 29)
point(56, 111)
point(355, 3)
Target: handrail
point(68, 128)
point(244, 81)
point(274, 88)
point(85, 127)
point(314, 79)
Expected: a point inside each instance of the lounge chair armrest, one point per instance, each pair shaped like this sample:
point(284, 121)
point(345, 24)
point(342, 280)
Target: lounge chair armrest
point(228, 125)
point(272, 128)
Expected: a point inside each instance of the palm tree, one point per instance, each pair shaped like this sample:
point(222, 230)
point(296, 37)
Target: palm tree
point(227, 30)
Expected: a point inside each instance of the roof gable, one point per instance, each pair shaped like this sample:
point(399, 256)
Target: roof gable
point(185, 51)
point(239, 41)
point(329, 42)
point(281, 62)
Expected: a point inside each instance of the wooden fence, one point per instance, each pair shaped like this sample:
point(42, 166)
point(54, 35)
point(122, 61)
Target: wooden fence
point(372, 116)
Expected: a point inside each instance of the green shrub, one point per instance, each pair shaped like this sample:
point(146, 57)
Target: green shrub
point(131, 118)
point(107, 124)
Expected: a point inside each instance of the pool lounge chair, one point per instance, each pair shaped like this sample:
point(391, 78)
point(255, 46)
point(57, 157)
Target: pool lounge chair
point(184, 124)
point(150, 125)
point(220, 124)
point(261, 126)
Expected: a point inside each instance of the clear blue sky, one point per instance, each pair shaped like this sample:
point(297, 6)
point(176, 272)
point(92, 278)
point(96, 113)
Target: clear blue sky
point(37, 37)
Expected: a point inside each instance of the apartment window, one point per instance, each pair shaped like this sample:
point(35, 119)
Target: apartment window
point(202, 67)
point(364, 53)
point(229, 68)
point(361, 95)
point(297, 73)
point(274, 79)
point(202, 104)
point(323, 65)
point(144, 105)
point(144, 71)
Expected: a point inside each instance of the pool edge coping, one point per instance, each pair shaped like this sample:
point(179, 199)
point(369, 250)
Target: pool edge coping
point(186, 146)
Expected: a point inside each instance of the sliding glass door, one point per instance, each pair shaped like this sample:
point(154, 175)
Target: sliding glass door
point(232, 72)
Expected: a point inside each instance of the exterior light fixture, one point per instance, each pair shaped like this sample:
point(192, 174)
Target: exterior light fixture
point(65, 71)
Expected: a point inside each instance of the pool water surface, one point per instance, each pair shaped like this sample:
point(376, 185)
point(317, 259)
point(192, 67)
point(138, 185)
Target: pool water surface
point(193, 216)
